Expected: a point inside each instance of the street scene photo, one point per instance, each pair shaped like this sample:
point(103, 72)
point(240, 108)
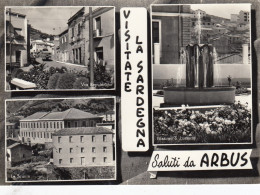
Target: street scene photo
point(201, 62)
point(60, 48)
point(60, 139)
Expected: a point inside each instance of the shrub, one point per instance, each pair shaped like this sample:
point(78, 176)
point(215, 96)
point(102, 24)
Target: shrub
point(81, 83)
point(52, 83)
point(229, 124)
point(16, 71)
point(66, 81)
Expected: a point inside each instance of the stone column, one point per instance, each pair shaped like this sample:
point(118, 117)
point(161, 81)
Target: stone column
point(245, 53)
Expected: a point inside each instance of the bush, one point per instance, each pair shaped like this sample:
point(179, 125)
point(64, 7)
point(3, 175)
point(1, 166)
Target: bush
point(81, 83)
point(16, 71)
point(52, 83)
point(66, 81)
point(230, 124)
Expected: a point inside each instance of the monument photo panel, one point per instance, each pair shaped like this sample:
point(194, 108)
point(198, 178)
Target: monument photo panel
point(201, 62)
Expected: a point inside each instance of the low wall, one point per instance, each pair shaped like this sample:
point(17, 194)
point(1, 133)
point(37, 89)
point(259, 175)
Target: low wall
point(177, 73)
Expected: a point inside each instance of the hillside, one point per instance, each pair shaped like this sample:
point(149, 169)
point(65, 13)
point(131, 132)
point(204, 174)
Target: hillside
point(29, 107)
point(38, 35)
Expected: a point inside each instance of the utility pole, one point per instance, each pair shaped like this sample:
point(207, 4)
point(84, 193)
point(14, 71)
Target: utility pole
point(10, 40)
point(91, 48)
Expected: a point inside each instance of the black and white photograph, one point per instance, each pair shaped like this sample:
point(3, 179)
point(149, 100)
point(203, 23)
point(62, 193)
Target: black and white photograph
point(201, 62)
point(60, 48)
point(60, 139)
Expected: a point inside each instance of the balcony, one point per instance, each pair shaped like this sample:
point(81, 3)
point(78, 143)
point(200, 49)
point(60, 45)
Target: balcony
point(97, 34)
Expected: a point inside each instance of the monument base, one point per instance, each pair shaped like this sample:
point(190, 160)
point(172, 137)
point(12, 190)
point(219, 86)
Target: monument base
point(178, 96)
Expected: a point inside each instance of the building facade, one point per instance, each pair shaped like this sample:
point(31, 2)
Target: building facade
point(103, 36)
point(18, 153)
point(171, 30)
point(11, 130)
point(81, 147)
point(64, 45)
point(17, 40)
point(39, 127)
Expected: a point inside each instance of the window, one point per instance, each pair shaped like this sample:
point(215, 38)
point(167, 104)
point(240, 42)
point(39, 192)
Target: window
point(78, 29)
point(98, 23)
point(93, 159)
point(50, 124)
point(60, 149)
point(68, 124)
point(60, 161)
point(72, 32)
point(105, 159)
point(82, 150)
point(47, 125)
point(71, 160)
point(71, 150)
point(58, 125)
point(104, 138)
point(82, 160)
point(93, 138)
point(81, 139)
point(104, 149)
point(44, 125)
point(99, 55)
point(54, 125)
point(84, 124)
point(70, 139)
point(93, 150)
point(59, 139)
point(76, 124)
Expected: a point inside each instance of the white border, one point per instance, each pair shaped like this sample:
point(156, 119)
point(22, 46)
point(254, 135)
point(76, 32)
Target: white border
point(44, 7)
point(172, 108)
point(85, 180)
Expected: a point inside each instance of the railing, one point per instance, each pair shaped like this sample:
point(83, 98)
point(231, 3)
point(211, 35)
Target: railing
point(97, 33)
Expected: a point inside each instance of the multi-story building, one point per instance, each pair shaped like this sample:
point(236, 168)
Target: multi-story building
point(78, 36)
point(39, 127)
point(17, 40)
point(11, 130)
point(171, 30)
point(85, 146)
point(64, 47)
point(244, 17)
point(39, 45)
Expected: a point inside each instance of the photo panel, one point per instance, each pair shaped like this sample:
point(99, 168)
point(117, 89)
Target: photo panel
point(60, 48)
point(202, 80)
point(69, 139)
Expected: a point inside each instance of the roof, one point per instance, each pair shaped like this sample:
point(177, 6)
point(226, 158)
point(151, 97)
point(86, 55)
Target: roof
point(34, 116)
point(71, 113)
point(83, 131)
point(17, 144)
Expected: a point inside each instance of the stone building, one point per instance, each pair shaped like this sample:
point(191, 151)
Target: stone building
point(64, 46)
point(85, 146)
point(39, 127)
point(17, 37)
point(18, 153)
point(103, 35)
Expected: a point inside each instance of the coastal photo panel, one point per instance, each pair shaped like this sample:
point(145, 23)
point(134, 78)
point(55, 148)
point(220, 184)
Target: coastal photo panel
point(59, 48)
point(72, 139)
point(202, 80)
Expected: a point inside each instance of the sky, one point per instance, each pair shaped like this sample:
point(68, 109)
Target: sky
point(221, 10)
point(48, 20)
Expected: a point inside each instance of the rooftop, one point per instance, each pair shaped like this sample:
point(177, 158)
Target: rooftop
point(17, 144)
point(71, 113)
point(83, 131)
